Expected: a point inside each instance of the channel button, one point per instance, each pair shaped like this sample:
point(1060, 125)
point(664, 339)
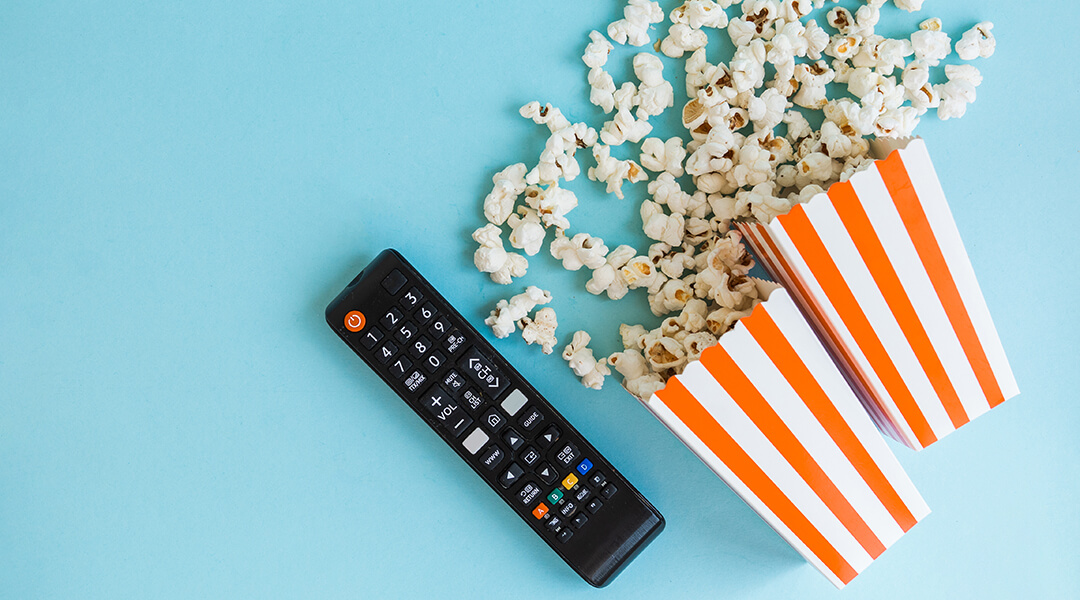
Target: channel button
point(480, 369)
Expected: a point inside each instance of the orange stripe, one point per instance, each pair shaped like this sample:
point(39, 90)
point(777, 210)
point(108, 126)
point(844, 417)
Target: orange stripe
point(717, 360)
point(681, 402)
point(828, 276)
point(761, 325)
point(922, 236)
point(851, 212)
point(824, 325)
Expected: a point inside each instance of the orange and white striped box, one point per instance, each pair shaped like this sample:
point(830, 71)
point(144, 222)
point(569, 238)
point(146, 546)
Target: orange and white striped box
point(768, 411)
point(877, 264)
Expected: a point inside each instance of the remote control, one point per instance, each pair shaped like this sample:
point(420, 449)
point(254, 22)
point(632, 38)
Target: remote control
point(546, 471)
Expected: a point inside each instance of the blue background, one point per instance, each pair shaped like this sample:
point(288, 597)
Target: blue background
point(183, 188)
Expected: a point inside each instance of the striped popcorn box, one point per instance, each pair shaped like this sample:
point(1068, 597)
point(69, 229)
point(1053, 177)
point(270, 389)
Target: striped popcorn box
point(770, 413)
point(878, 266)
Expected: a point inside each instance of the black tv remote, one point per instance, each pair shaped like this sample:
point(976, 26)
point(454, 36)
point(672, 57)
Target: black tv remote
point(546, 471)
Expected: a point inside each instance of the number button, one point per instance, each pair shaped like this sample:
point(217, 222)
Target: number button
point(372, 337)
point(426, 313)
point(386, 352)
point(439, 328)
point(411, 299)
point(400, 366)
point(405, 332)
point(434, 361)
point(391, 319)
point(419, 347)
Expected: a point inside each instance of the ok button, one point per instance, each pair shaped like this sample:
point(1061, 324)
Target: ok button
point(480, 370)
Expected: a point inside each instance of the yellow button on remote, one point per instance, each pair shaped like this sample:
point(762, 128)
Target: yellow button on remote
point(570, 481)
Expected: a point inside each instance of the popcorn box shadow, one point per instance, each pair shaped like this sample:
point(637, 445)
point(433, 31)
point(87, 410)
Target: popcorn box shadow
point(769, 412)
point(877, 265)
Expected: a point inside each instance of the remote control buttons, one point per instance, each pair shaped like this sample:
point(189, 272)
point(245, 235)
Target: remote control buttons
point(475, 441)
point(405, 332)
point(582, 494)
point(434, 361)
point(411, 299)
point(579, 520)
point(540, 510)
point(493, 420)
point(393, 282)
point(549, 437)
point(597, 479)
point(473, 399)
point(513, 402)
point(547, 473)
point(419, 347)
point(608, 490)
point(426, 313)
point(391, 319)
point(415, 380)
point(442, 407)
point(511, 475)
point(513, 439)
point(528, 493)
point(439, 328)
point(480, 369)
point(584, 467)
point(570, 481)
point(565, 535)
point(567, 509)
point(566, 455)
point(453, 382)
point(531, 419)
point(386, 352)
point(355, 321)
point(492, 457)
point(370, 338)
point(453, 342)
point(555, 495)
point(530, 456)
point(554, 524)
point(400, 366)
point(595, 505)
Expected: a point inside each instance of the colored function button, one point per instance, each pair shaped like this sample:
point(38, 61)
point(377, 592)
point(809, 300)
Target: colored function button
point(513, 402)
point(394, 282)
point(511, 475)
point(570, 481)
point(549, 437)
point(411, 299)
point(475, 441)
point(528, 493)
point(555, 495)
point(540, 510)
point(483, 372)
point(391, 319)
point(370, 338)
point(584, 467)
point(354, 321)
point(531, 419)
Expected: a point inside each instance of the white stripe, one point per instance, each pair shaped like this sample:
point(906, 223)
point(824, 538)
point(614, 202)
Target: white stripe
point(724, 410)
point(802, 423)
point(845, 255)
point(821, 367)
point(927, 186)
point(909, 269)
point(707, 456)
point(877, 392)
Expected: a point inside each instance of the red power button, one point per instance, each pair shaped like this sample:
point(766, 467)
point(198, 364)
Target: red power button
point(354, 321)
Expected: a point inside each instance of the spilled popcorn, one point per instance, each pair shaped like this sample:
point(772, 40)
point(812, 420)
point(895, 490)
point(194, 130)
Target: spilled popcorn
point(750, 153)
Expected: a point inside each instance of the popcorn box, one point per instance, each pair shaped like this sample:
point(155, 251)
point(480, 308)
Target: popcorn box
point(877, 265)
point(769, 412)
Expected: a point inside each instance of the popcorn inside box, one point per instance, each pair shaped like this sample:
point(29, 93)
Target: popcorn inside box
point(880, 319)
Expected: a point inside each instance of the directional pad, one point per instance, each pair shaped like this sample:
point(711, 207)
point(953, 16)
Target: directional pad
point(511, 475)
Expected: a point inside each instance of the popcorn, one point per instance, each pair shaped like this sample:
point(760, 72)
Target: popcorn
point(602, 89)
point(654, 94)
point(661, 226)
point(977, 42)
point(635, 372)
point(767, 111)
point(609, 277)
point(909, 5)
point(700, 13)
point(639, 272)
point(551, 204)
point(527, 231)
point(633, 28)
point(582, 250)
point(492, 258)
point(813, 77)
point(958, 92)
point(930, 46)
point(505, 317)
point(664, 353)
point(660, 156)
point(614, 171)
point(544, 115)
point(509, 183)
point(681, 39)
point(597, 51)
point(624, 127)
point(541, 330)
point(582, 361)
